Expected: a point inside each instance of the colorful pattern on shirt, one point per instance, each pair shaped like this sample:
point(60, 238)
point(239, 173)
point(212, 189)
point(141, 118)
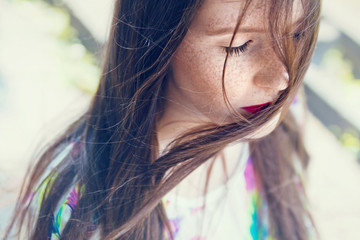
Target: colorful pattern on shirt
point(254, 203)
point(252, 228)
point(64, 212)
point(251, 225)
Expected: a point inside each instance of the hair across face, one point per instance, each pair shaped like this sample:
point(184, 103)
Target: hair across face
point(254, 73)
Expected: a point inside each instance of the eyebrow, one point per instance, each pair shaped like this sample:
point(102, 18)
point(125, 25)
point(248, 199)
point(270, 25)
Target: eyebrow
point(230, 30)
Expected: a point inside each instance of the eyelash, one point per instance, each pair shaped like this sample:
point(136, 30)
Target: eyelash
point(243, 48)
point(237, 50)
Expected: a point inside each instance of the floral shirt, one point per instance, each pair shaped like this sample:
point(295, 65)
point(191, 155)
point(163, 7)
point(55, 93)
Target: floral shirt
point(228, 212)
point(236, 210)
point(232, 211)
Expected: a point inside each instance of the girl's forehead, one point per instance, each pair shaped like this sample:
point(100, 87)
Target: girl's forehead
point(215, 14)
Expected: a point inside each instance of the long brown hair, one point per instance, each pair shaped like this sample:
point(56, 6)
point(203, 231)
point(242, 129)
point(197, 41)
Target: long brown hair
point(114, 152)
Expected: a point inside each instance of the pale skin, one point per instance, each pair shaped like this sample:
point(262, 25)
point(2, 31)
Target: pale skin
point(194, 94)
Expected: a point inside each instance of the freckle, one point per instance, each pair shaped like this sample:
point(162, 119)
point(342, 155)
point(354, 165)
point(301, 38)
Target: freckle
point(213, 22)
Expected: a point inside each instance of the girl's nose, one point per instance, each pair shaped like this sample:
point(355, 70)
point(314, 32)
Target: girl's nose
point(271, 72)
point(277, 81)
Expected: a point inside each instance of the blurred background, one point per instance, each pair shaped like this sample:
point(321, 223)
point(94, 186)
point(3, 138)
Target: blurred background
point(50, 52)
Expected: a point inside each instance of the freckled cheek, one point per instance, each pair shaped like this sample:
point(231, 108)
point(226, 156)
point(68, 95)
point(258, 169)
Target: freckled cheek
point(238, 77)
point(202, 70)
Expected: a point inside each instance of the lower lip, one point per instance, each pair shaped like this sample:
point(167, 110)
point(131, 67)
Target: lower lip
point(256, 108)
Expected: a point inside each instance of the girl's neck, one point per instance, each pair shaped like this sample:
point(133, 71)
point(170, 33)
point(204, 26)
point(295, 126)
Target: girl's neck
point(178, 119)
point(222, 166)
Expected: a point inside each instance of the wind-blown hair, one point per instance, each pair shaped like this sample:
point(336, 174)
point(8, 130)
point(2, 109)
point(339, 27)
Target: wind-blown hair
point(115, 149)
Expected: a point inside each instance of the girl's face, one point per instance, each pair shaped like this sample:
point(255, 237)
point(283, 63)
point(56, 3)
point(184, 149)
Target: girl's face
point(254, 74)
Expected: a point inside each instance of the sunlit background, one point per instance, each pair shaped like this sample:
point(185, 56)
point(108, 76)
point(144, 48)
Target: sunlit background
point(50, 52)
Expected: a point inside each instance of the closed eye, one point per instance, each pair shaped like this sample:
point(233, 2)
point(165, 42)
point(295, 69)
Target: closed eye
point(237, 50)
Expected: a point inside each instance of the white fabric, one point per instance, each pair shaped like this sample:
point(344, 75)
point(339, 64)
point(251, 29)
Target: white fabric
point(224, 216)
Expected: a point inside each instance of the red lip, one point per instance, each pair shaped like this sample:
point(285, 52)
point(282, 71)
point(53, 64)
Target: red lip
point(256, 108)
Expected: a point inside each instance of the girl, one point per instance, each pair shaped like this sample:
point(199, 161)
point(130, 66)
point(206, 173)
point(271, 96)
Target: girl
point(188, 135)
